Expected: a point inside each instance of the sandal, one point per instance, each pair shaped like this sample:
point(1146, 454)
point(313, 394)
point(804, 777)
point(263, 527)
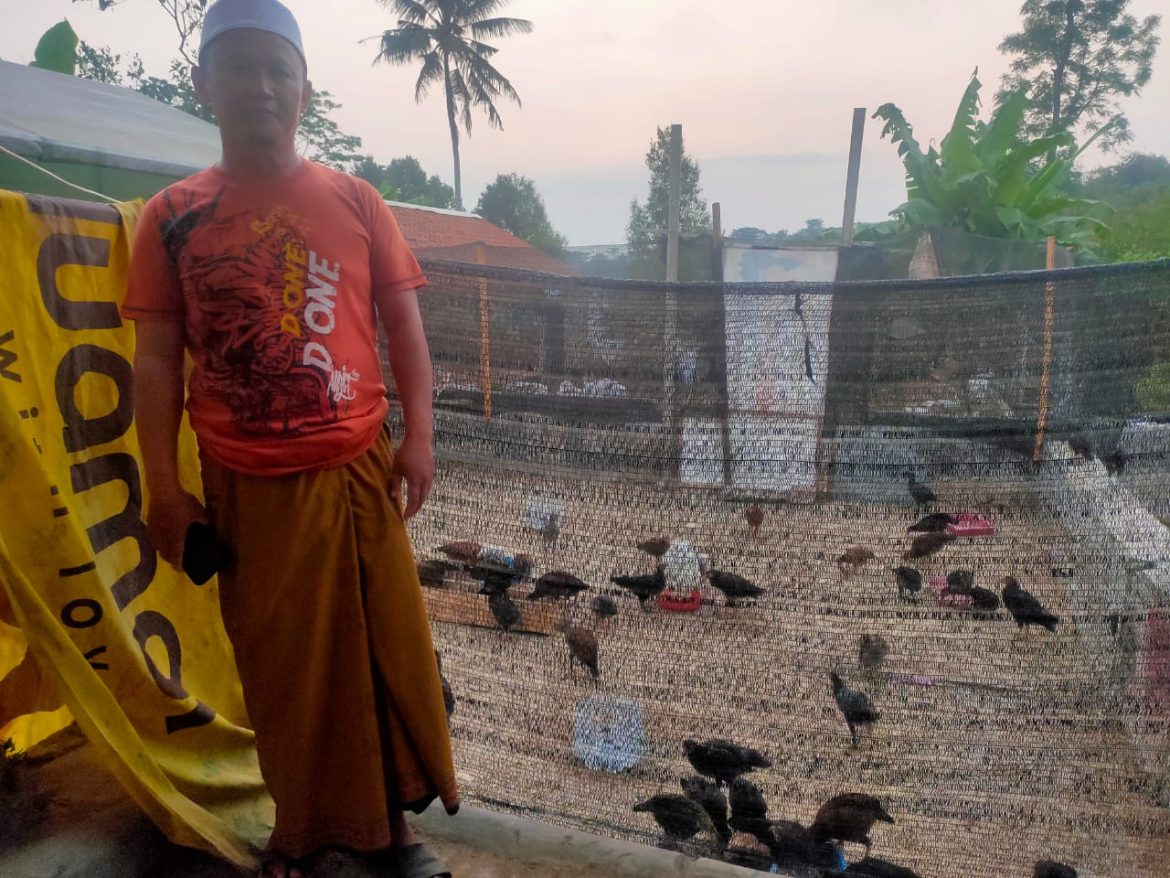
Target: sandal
point(417, 861)
point(278, 866)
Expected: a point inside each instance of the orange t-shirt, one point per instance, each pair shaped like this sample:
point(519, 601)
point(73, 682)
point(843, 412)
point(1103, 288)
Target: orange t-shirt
point(275, 281)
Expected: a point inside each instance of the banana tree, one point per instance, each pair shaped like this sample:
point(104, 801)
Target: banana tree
point(989, 179)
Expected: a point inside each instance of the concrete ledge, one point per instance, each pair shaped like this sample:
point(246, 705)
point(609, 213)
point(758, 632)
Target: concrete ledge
point(119, 844)
point(524, 840)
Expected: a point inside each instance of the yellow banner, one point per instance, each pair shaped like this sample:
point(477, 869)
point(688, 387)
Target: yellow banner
point(92, 627)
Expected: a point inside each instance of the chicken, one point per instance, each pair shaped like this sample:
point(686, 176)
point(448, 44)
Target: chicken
point(557, 584)
point(793, 849)
point(550, 531)
point(908, 579)
point(643, 586)
point(1025, 609)
point(854, 557)
point(1052, 869)
point(849, 817)
point(960, 581)
point(710, 798)
point(433, 574)
point(448, 695)
point(679, 817)
point(723, 760)
point(754, 516)
point(734, 587)
point(854, 705)
point(503, 610)
point(655, 547)
point(920, 491)
point(493, 580)
point(749, 811)
point(925, 545)
point(583, 646)
point(932, 522)
point(463, 551)
point(872, 650)
point(984, 599)
point(604, 606)
point(872, 867)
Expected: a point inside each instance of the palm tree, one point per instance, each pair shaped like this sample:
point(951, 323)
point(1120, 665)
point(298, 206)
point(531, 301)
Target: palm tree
point(446, 35)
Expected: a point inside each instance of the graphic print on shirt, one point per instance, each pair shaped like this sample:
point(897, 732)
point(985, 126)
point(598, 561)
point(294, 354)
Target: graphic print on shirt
point(261, 306)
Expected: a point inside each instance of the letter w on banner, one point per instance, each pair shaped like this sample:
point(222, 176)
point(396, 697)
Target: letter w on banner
point(92, 628)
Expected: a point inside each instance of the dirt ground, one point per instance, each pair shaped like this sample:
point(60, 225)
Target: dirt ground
point(993, 750)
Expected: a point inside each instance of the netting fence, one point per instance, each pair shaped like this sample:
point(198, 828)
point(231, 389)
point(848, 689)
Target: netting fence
point(787, 436)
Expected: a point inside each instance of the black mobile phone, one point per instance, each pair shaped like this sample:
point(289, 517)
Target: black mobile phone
point(203, 554)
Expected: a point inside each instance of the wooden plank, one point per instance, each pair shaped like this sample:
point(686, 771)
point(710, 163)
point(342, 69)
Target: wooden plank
point(470, 608)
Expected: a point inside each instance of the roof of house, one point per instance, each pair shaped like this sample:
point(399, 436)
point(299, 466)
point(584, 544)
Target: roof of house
point(459, 237)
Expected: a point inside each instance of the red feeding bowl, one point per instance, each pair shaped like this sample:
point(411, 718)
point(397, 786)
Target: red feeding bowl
point(680, 603)
point(971, 525)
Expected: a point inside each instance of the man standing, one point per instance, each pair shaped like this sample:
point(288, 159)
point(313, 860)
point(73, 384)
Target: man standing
point(270, 271)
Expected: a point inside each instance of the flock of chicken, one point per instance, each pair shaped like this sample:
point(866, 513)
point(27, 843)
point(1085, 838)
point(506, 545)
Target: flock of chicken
point(702, 805)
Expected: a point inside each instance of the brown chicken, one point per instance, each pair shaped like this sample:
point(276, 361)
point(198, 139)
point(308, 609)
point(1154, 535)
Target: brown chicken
point(754, 516)
point(583, 646)
point(463, 551)
point(655, 547)
point(854, 558)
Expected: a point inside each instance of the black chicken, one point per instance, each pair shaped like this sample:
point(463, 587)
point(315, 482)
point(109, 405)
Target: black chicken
point(854, 705)
point(909, 581)
point(932, 522)
point(734, 587)
point(849, 817)
point(925, 545)
point(448, 695)
point(679, 817)
point(872, 867)
point(645, 586)
point(1025, 609)
point(960, 581)
point(920, 491)
point(723, 760)
point(792, 848)
point(655, 547)
point(983, 599)
point(1053, 869)
point(493, 581)
point(749, 811)
point(604, 606)
point(505, 612)
point(433, 574)
point(557, 584)
point(710, 798)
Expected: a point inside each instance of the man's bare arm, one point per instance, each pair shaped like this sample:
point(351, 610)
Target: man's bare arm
point(158, 412)
point(410, 361)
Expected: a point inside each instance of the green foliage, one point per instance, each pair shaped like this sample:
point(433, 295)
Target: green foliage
point(405, 180)
point(512, 202)
point(57, 49)
point(186, 15)
point(447, 37)
point(988, 179)
point(322, 140)
point(1077, 57)
point(814, 231)
point(1153, 390)
point(1138, 189)
point(649, 221)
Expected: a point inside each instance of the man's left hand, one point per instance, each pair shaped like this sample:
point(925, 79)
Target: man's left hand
point(414, 460)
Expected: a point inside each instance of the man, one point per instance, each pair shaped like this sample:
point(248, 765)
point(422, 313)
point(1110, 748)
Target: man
point(269, 270)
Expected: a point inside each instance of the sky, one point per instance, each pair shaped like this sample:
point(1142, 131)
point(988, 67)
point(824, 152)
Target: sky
point(764, 90)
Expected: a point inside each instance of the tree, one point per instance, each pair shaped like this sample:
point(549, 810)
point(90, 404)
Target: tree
point(1077, 57)
point(405, 180)
point(187, 16)
point(988, 179)
point(322, 140)
point(649, 221)
point(512, 202)
point(447, 37)
point(1138, 189)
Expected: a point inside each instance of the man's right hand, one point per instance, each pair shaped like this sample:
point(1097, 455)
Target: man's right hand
point(167, 519)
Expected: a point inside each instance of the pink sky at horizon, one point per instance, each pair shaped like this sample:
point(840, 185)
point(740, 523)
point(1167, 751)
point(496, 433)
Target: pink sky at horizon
point(764, 78)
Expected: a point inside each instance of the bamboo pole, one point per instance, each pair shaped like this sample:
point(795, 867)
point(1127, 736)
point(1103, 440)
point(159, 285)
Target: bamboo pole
point(1046, 369)
point(485, 337)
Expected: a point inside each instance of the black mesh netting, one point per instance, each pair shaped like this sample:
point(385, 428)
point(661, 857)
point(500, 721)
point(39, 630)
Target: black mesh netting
point(789, 435)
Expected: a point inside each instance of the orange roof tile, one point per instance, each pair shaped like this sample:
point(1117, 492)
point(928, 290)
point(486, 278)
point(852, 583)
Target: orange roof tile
point(448, 234)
